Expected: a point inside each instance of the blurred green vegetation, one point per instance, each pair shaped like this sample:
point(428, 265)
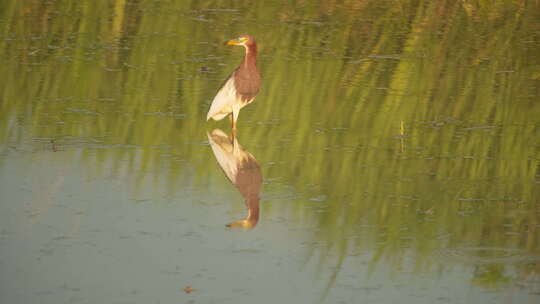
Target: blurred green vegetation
point(124, 86)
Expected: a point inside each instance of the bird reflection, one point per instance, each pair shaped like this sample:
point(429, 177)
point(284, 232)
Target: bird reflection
point(242, 169)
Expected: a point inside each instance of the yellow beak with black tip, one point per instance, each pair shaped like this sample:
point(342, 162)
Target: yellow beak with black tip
point(243, 224)
point(237, 41)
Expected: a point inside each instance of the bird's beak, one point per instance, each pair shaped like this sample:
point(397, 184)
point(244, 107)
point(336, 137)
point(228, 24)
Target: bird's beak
point(234, 42)
point(244, 224)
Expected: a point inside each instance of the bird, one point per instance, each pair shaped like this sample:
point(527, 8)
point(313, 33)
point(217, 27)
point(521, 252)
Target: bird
point(241, 86)
point(242, 170)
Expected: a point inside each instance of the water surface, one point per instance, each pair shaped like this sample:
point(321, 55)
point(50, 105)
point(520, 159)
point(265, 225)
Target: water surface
point(398, 145)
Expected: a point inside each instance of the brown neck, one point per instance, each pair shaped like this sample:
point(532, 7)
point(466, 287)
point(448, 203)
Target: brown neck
point(250, 59)
point(253, 209)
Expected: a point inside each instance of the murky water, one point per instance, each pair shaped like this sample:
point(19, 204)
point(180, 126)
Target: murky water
point(398, 143)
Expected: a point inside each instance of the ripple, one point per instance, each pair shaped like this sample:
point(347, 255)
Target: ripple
point(487, 255)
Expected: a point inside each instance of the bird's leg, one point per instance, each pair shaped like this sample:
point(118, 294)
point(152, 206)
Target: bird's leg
point(234, 119)
point(233, 136)
point(235, 113)
point(233, 122)
point(233, 128)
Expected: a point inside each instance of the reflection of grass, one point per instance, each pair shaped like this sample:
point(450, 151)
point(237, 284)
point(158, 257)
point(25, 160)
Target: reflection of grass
point(491, 276)
point(453, 82)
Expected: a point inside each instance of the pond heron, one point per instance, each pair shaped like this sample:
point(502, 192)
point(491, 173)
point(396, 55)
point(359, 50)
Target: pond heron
point(241, 87)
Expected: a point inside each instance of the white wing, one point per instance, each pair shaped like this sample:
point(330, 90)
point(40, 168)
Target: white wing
point(224, 152)
point(222, 103)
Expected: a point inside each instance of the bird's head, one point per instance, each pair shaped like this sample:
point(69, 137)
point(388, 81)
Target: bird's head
point(246, 224)
point(243, 40)
point(251, 219)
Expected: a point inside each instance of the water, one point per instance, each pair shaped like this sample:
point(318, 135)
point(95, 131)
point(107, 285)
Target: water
point(398, 143)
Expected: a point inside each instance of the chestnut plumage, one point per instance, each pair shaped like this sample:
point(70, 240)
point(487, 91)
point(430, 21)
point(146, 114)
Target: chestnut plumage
point(242, 85)
point(242, 170)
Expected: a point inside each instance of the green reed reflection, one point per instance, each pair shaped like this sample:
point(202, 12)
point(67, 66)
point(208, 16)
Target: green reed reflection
point(128, 85)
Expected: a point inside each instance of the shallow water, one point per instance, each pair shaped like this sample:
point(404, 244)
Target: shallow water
point(398, 143)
